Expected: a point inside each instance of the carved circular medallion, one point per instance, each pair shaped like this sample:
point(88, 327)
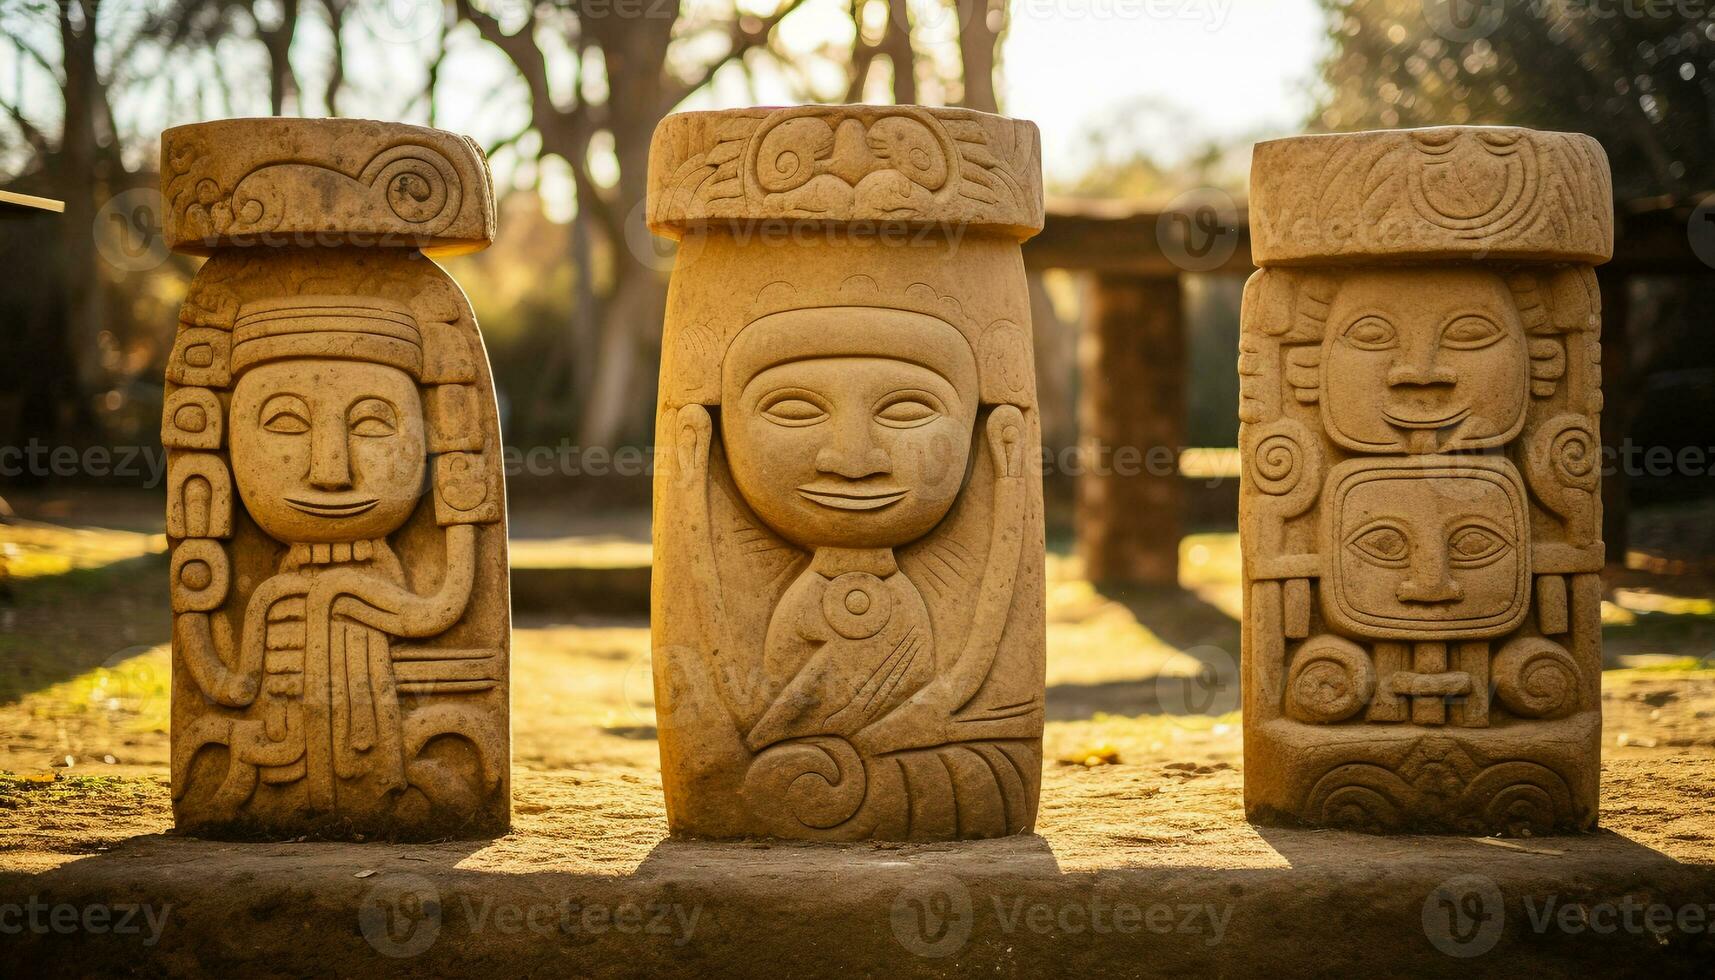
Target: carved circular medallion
point(857, 605)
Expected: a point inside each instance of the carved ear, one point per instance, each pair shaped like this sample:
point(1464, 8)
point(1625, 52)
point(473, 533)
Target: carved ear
point(695, 369)
point(1267, 303)
point(1547, 365)
point(201, 357)
point(1005, 365)
point(1286, 303)
point(1575, 300)
point(1254, 396)
point(447, 357)
point(1304, 373)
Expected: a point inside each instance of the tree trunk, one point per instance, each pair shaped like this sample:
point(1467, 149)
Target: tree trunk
point(282, 81)
point(80, 186)
point(896, 44)
point(977, 52)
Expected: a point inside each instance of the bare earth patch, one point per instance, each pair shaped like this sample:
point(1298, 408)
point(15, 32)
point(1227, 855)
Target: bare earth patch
point(1141, 813)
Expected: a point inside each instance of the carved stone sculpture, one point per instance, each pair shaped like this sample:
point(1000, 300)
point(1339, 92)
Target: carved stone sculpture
point(1420, 390)
point(335, 504)
point(848, 592)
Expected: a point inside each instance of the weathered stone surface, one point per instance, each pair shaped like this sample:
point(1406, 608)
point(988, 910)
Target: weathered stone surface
point(846, 163)
point(848, 623)
point(340, 636)
point(1420, 509)
point(296, 182)
point(1478, 192)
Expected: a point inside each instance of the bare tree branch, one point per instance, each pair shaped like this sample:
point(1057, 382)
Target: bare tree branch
point(740, 41)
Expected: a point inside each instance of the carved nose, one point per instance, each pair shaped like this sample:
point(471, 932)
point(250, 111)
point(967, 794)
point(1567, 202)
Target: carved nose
point(854, 465)
point(1421, 374)
point(1445, 590)
point(330, 463)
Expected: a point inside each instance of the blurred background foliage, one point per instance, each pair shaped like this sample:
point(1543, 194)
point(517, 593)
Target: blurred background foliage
point(564, 95)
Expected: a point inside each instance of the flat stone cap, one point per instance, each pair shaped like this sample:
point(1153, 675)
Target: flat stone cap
point(1428, 194)
point(287, 182)
point(846, 163)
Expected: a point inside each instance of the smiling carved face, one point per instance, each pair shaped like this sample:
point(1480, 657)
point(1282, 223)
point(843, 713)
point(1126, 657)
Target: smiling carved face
point(327, 451)
point(851, 452)
point(1424, 360)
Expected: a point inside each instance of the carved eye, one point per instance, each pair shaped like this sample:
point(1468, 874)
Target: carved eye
point(1372, 333)
point(372, 417)
point(1383, 544)
point(793, 407)
point(1471, 333)
point(285, 414)
point(909, 409)
point(1474, 544)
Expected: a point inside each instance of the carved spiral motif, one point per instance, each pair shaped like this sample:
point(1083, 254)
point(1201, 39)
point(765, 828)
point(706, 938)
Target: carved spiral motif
point(420, 185)
point(788, 153)
point(1276, 464)
point(256, 205)
point(815, 783)
point(1536, 678)
point(1331, 680)
point(1521, 798)
point(1574, 452)
point(1357, 796)
point(1284, 458)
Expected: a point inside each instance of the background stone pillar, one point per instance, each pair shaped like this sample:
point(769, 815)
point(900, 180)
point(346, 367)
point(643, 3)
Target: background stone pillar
point(1131, 421)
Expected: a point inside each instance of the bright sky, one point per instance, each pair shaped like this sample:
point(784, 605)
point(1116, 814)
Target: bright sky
point(1225, 68)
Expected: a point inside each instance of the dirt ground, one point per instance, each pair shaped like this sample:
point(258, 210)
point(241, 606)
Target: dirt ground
point(1144, 684)
point(1142, 745)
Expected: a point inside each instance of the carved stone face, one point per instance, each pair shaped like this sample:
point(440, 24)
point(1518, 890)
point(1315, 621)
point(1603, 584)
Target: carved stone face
point(1426, 550)
point(1423, 360)
point(853, 452)
point(327, 451)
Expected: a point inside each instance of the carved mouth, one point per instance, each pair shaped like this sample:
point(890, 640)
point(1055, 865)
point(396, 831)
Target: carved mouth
point(333, 508)
point(850, 498)
point(1403, 422)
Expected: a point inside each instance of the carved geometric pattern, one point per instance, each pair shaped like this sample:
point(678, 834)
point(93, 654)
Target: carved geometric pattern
point(340, 641)
point(1420, 514)
point(848, 618)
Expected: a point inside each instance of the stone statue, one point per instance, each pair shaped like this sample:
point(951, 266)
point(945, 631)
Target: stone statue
point(848, 595)
point(1420, 511)
point(341, 628)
